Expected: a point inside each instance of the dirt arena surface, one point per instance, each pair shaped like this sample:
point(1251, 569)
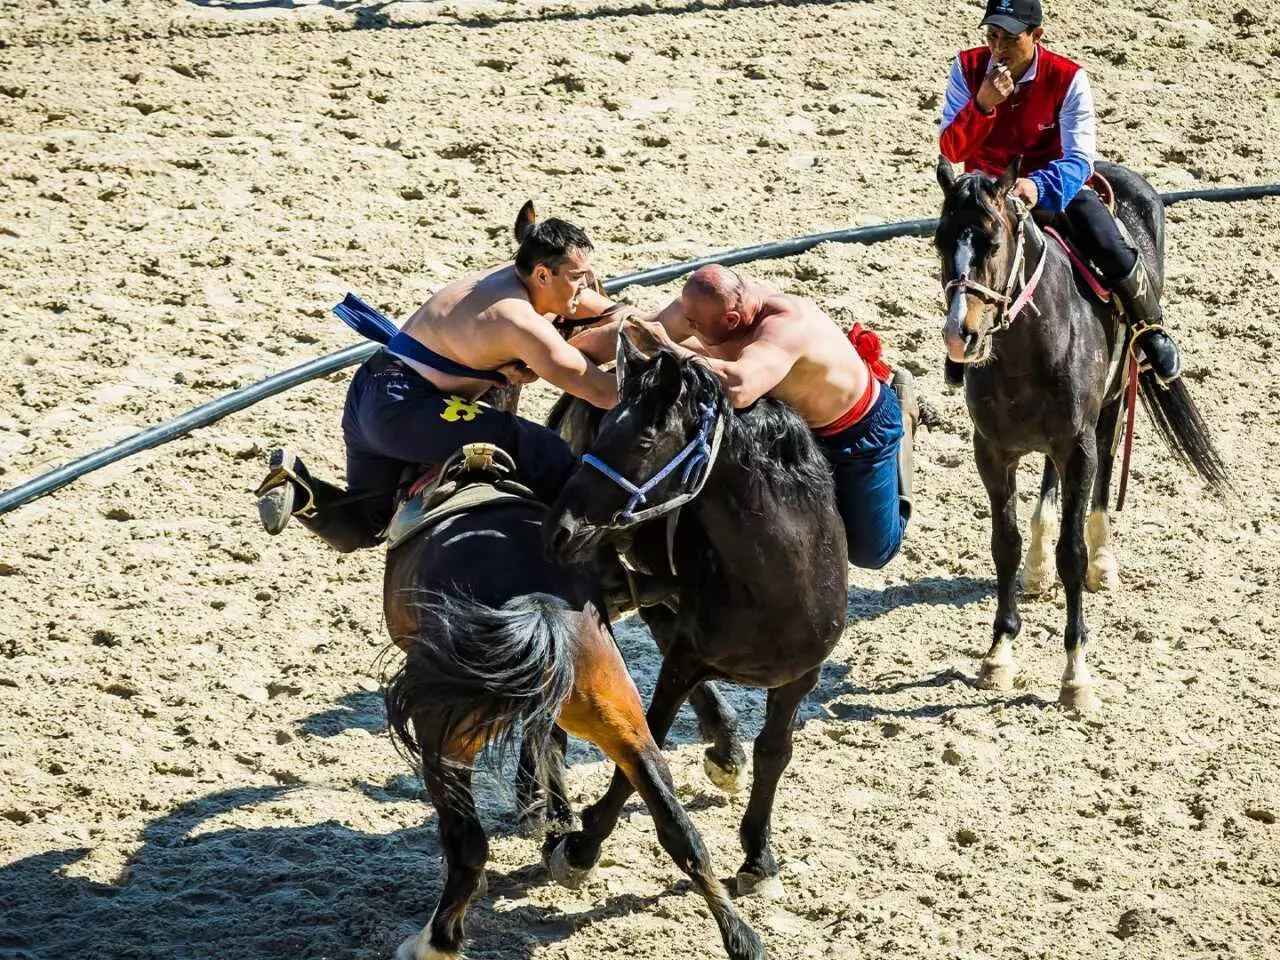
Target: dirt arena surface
point(192, 755)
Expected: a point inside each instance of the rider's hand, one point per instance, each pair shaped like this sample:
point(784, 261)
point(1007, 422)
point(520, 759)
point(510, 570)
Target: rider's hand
point(1026, 191)
point(517, 373)
point(996, 88)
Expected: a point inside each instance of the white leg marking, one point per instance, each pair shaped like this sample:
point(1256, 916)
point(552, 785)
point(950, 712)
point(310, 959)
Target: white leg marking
point(1038, 572)
point(997, 670)
point(418, 947)
point(1104, 571)
point(1077, 685)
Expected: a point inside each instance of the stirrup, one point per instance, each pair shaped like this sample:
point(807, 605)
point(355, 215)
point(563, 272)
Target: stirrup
point(282, 471)
point(1139, 331)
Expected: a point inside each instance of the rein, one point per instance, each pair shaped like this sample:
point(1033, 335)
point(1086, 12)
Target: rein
point(697, 457)
point(1010, 305)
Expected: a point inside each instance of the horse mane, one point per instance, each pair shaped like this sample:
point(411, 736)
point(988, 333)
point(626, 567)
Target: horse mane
point(769, 441)
point(974, 190)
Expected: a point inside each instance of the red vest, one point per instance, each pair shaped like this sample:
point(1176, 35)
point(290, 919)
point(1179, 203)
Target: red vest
point(1025, 124)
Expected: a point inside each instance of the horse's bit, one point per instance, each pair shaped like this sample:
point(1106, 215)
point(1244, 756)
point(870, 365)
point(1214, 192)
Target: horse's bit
point(698, 456)
point(1009, 306)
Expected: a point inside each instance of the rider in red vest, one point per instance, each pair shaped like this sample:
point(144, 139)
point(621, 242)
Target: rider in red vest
point(1015, 98)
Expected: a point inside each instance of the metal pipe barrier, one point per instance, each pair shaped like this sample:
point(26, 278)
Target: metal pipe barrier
point(215, 410)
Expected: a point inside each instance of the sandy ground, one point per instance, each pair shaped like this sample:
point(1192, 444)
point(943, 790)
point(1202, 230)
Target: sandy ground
point(192, 755)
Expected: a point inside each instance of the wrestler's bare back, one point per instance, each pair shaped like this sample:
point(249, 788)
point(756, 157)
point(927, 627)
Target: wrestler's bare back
point(828, 376)
point(463, 321)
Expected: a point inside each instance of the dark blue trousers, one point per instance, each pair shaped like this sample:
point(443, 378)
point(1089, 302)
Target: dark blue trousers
point(864, 459)
point(395, 419)
point(1092, 226)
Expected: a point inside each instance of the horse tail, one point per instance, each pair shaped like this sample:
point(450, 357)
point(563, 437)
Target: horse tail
point(1183, 431)
point(475, 674)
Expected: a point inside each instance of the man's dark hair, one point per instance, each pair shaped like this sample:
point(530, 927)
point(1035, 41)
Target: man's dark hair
point(548, 242)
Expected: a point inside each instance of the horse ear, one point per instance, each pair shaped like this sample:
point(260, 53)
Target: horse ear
point(525, 220)
point(668, 375)
point(946, 175)
point(628, 358)
point(644, 341)
point(1009, 177)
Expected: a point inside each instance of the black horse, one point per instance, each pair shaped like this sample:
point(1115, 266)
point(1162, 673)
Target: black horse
point(1042, 360)
point(725, 761)
point(502, 641)
point(757, 558)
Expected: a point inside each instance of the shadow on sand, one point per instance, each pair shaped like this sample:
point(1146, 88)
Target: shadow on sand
point(322, 890)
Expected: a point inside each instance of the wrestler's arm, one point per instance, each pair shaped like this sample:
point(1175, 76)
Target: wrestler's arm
point(591, 304)
point(600, 343)
point(534, 341)
point(759, 367)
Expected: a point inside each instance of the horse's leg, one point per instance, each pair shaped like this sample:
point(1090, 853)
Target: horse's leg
point(605, 708)
point(559, 809)
point(1037, 574)
point(771, 754)
point(531, 804)
point(998, 470)
point(580, 850)
point(1077, 478)
point(535, 811)
point(465, 850)
point(725, 761)
point(1104, 571)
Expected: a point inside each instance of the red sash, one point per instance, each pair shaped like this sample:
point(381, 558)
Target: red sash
point(868, 346)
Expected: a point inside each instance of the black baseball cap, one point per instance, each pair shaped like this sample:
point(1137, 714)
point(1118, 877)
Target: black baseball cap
point(1013, 16)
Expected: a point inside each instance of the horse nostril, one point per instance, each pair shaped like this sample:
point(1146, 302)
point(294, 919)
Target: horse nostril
point(561, 533)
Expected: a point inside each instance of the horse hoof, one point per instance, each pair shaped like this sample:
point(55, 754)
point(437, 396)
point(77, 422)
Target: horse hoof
point(1103, 575)
point(997, 674)
point(763, 888)
point(1079, 698)
point(565, 873)
point(1037, 583)
point(729, 779)
point(418, 947)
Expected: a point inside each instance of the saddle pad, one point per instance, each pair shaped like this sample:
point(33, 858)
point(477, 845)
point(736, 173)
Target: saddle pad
point(413, 517)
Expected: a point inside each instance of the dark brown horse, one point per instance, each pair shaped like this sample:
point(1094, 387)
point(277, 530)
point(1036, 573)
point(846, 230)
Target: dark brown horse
point(756, 556)
point(500, 641)
point(1041, 362)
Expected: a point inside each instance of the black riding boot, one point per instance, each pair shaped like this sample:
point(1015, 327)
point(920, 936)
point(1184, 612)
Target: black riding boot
point(1142, 307)
point(289, 490)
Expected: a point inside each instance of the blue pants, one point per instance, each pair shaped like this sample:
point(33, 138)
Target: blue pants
point(395, 419)
point(864, 459)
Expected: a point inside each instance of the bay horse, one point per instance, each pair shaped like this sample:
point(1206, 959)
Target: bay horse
point(1039, 365)
point(503, 643)
point(757, 556)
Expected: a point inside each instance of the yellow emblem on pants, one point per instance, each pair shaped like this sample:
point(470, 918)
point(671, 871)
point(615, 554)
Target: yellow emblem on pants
point(459, 409)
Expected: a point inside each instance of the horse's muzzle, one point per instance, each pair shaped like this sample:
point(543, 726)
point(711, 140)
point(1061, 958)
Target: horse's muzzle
point(568, 540)
point(959, 333)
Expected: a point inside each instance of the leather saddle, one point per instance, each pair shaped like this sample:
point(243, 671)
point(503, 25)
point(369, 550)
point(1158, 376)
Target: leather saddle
point(477, 476)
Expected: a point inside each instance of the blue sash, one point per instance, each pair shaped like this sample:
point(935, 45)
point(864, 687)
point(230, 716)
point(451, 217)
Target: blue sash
point(376, 326)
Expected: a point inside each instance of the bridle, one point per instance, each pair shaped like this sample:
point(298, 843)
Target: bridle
point(1010, 306)
point(697, 457)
